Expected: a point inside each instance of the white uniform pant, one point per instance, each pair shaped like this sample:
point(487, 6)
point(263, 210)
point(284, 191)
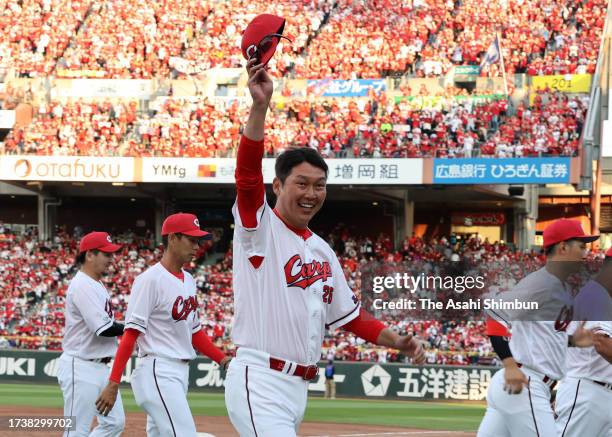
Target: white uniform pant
point(528, 414)
point(262, 402)
point(584, 409)
point(82, 382)
point(160, 388)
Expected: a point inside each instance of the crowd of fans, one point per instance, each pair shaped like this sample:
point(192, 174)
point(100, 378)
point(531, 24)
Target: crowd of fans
point(445, 125)
point(335, 39)
point(34, 277)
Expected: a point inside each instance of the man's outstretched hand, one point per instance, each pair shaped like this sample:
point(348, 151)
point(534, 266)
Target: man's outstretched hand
point(411, 347)
point(260, 84)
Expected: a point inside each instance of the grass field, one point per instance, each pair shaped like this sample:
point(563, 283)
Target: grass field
point(425, 415)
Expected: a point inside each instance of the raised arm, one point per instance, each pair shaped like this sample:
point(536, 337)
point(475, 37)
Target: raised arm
point(249, 178)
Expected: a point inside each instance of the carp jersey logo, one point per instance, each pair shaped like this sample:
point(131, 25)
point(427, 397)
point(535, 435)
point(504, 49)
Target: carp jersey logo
point(183, 307)
point(303, 275)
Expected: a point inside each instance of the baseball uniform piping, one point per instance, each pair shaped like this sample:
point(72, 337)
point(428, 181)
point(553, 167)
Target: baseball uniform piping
point(531, 405)
point(162, 398)
point(572, 410)
point(249, 399)
point(72, 403)
point(343, 317)
point(102, 328)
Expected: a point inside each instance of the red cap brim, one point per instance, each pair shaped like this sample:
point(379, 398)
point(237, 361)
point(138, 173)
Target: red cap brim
point(198, 233)
point(265, 58)
point(587, 238)
point(110, 248)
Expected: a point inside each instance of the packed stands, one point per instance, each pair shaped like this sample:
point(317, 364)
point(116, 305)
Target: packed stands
point(420, 126)
point(343, 39)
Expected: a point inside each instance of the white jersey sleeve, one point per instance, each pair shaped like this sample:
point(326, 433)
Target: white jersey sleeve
point(344, 305)
point(253, 240)
point(94, 309)
point(143, 299)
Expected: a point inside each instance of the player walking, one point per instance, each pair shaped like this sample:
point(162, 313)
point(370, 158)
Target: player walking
point(89, 340)
point(585, 394)
point(288, 283)
point(162, 317)
point(535, 356)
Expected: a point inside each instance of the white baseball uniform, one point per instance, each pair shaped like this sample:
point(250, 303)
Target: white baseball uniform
point(164, 309)
point(540, 347)
point(585, 394)
point(81, 373)
point(288, 287)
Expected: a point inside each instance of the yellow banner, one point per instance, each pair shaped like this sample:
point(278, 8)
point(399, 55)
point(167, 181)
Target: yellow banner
point(567, 83)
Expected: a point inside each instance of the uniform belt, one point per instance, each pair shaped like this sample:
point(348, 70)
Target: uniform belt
point(550, 382)
point(104, 360)
point(307, 373)
point(607, 385)
point(178, 359)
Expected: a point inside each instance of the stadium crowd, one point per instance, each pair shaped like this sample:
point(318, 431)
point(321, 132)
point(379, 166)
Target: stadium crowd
point(34, 276)
point(336, 39)
point(450, 124)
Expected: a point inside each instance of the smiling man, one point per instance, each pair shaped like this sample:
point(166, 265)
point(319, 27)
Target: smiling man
point(288, 284)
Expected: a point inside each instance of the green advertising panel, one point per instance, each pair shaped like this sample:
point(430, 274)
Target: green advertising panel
point(361, 379)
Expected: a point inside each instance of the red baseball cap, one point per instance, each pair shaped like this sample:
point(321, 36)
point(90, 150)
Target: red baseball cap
point(261, 26)
point(99, 241)
point(566, 229)
point(609, 253)
point(183, 223)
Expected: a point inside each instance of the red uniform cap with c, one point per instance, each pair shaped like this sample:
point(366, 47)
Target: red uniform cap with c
point(183, 223)
point(98, 241)
point(261, 37)
point(566, 229)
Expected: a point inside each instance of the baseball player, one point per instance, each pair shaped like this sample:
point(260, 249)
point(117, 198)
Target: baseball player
point(288, 283)
point(162, 317)
point(89, 340)
point(585, 394)
point(518, 399)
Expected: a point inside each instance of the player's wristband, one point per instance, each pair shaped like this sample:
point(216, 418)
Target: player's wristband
point(501, 346)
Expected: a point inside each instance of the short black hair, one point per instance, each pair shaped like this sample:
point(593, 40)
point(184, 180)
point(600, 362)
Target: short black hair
point(294, 157)
point(165, 241)
point(80, 259)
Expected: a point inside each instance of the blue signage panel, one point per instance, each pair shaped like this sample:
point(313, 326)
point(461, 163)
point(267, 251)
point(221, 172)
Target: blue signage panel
point(344, 88)
point(501, 171)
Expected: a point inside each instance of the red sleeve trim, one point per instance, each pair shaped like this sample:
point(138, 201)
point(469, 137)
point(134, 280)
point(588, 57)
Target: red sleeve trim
point(249, 180)
point(493, 327)
point(124, 352)
point(365, 326)
point(205, 346)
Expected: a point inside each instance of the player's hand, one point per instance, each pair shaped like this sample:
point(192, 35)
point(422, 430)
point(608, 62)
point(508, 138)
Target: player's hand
point(514, 380)
point(603, 345)
point(582, 337)
point(260, 84)
point(411, 347)
point(224, 364)
point(106, 400)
